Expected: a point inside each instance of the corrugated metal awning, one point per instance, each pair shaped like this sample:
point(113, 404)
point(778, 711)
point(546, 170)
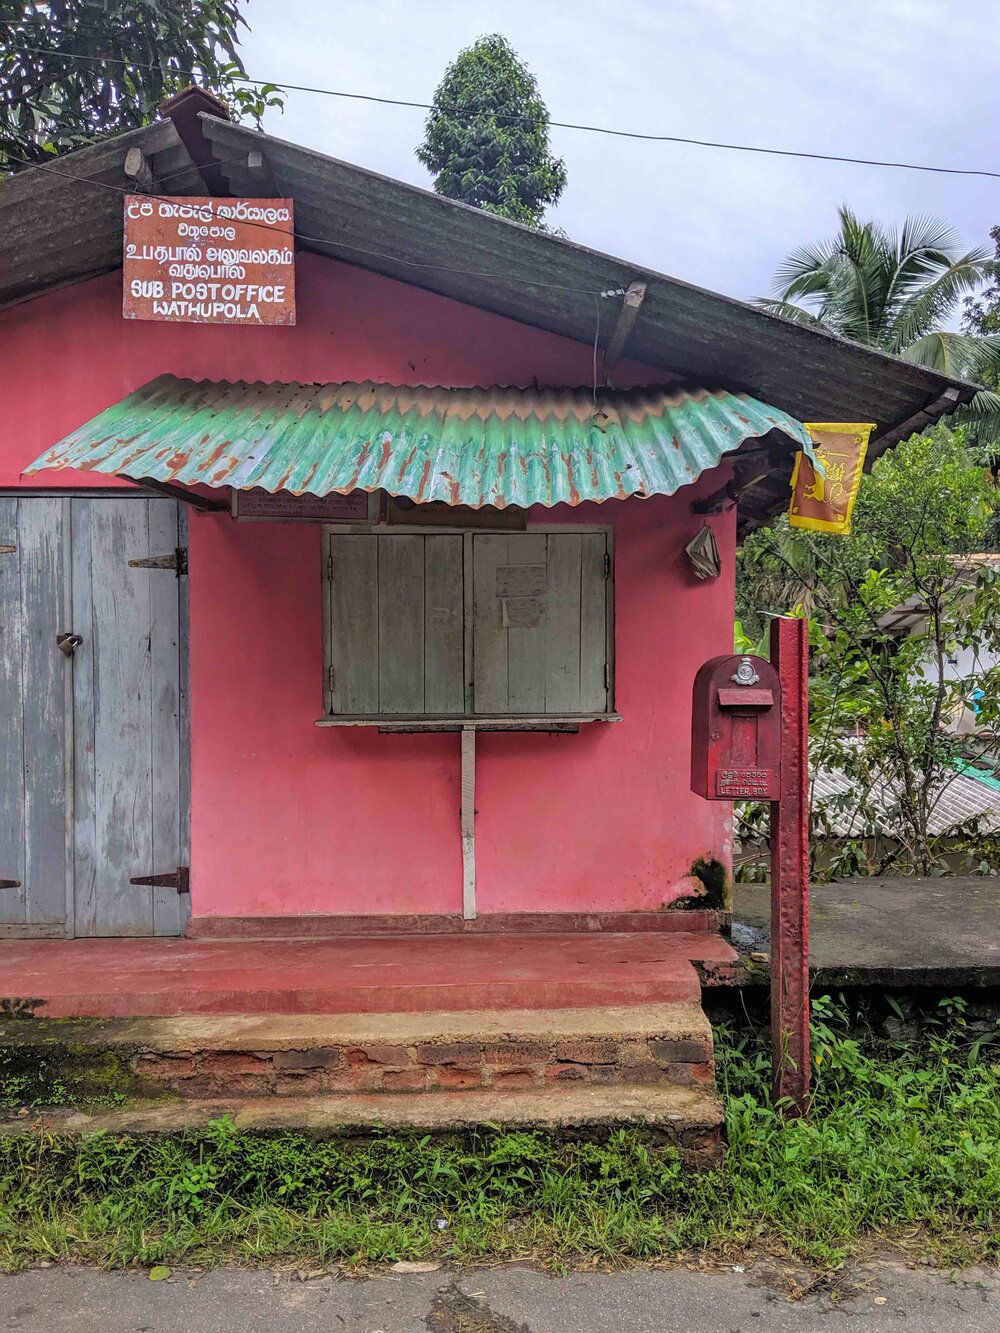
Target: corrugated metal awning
point(463, 446)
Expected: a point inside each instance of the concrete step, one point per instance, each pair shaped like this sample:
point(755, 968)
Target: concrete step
point(502, 1052)
point(110, 978)
point(688, 1119)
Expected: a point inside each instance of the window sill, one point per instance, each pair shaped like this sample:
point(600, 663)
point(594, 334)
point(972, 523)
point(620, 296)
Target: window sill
point(390, 722)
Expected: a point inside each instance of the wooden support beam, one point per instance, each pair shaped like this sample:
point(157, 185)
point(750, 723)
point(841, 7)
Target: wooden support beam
point(469, 823)
point(934, 410)
point(753, 518)
point(138, 169)
point(627, 316)
point(263, 177)
point(181, 493)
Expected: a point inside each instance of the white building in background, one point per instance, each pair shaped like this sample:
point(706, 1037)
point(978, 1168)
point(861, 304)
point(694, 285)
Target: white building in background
point(911, 618)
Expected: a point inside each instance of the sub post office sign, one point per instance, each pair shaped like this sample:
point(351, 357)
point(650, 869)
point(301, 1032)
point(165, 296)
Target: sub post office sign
point(209, 261)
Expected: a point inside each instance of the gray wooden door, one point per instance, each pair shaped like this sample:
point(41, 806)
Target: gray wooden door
point(35, 706)
point(96, 764)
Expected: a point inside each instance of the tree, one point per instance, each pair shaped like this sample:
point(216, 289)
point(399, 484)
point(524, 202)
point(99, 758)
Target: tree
point(897, 290)
point(880, 699)
point(487, 136)
point(982, 313)
point(982, 318)
point(74, 70)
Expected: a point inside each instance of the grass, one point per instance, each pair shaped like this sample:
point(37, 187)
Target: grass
point(900, 1144)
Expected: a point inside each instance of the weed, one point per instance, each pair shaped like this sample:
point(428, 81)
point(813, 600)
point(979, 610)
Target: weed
point(897, 1144)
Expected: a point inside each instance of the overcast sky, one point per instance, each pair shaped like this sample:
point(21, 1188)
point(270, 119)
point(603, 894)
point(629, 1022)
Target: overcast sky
point(910, 80)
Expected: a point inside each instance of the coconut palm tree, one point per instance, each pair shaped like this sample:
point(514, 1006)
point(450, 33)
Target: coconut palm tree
point(898, 290)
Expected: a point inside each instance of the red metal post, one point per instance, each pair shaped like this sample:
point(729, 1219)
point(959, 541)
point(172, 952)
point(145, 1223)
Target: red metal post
point(790, 872)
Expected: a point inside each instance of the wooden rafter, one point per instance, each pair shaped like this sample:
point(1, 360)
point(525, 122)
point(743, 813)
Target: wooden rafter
point(181, 493)
point(627, 316)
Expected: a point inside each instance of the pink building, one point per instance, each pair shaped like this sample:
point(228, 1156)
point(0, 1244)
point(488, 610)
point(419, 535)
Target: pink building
point(383, 621)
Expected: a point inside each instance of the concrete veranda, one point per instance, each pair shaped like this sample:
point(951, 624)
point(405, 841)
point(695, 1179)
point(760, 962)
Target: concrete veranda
point(908, 931)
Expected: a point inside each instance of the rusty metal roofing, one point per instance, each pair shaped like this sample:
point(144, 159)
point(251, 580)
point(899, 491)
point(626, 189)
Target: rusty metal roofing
point(846, 813)
point(495, 446)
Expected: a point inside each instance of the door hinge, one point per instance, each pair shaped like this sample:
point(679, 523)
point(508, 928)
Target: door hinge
point(10, 883)
point(177, 560)
point(329, 566)
point(607, 676)
point(607, 564)
point(7, 549)
point(179, 879)
point(329, 677)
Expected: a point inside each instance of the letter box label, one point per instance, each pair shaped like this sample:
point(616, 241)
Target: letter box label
point(745, 784)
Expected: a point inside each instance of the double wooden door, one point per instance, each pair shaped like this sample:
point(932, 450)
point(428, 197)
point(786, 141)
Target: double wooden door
point(93, 752)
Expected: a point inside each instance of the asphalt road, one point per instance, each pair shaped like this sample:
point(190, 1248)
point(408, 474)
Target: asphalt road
point(879, 1298)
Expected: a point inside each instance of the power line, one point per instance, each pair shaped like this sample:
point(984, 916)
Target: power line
point(559, 124)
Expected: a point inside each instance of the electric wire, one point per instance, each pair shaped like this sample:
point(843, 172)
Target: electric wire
point(641, 135)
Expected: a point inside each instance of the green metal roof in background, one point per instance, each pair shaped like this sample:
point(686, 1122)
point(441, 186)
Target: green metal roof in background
point(463, 446)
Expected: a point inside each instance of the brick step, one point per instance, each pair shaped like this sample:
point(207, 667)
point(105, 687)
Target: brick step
point(498, 1052)
point(688, 1119)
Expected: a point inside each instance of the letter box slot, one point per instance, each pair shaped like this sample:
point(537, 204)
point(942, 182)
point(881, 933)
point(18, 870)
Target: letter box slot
point(743, 698)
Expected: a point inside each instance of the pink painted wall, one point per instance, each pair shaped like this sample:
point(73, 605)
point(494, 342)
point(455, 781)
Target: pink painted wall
point(288, 817)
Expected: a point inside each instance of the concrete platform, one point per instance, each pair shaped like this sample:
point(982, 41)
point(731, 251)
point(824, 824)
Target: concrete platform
point(123, 978)
point(908, 932)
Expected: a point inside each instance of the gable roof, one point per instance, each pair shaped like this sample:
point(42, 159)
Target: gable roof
point(54, 231)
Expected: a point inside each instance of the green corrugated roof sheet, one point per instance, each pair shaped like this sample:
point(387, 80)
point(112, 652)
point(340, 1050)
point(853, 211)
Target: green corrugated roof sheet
point(463, 446)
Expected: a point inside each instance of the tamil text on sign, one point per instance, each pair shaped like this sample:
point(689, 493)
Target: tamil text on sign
point(209, 261)
point(746, 784)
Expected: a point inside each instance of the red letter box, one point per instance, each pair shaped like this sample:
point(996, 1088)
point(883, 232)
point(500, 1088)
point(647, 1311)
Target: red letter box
point(736, 730)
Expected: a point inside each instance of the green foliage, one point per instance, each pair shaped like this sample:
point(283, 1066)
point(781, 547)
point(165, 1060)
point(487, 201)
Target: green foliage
point(50, 102)
point(930, 486)
point(982, 319)
point(896, 1143)
point(982, 312)
point(487, 136)
point(897, 290)
point(881, 700)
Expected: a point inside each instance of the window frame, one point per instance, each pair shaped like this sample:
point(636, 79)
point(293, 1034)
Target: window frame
point(395, 722)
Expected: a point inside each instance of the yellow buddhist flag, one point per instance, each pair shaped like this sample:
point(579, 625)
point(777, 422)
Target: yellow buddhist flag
point(824, 503)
